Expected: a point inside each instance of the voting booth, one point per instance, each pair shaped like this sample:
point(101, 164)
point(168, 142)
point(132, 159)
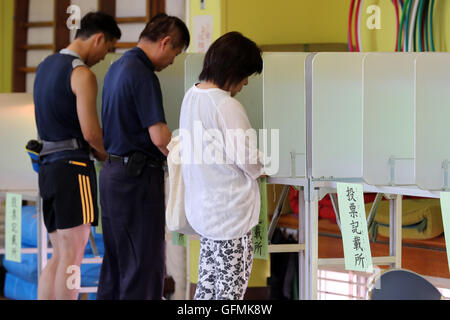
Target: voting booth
point(388, 118)
point(100, 70)
point(285, 111)
point(17, 127)
point(337, 95)
point(432, 104)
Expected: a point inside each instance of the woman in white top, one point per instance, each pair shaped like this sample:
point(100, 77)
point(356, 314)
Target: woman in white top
point(221, 167)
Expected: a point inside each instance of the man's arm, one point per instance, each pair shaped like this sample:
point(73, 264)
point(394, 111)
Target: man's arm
point(84, 86)
point(160, 135)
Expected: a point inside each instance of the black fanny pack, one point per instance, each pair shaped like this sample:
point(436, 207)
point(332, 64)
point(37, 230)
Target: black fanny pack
point(50, 147)
point(37, 149)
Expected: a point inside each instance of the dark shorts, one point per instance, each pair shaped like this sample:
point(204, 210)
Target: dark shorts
point(69, 192)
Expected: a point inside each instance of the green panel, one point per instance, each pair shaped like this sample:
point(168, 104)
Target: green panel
point(17, 127)
point(432, 116)
point(251, 98)
point(100, 71)
point(172, 86)
point(193, 67)
point(337, 115)
point(388, 118)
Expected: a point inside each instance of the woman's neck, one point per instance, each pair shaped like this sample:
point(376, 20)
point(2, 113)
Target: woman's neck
point(207, 85)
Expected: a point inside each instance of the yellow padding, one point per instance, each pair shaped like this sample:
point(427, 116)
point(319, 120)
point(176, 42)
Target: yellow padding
point(414, 211)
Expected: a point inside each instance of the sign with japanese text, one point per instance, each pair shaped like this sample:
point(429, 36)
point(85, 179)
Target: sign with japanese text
point(179, 239)
point(445, 208)
point(260, 237)
point(202, 33)
point(13, 227)
point(355, 237)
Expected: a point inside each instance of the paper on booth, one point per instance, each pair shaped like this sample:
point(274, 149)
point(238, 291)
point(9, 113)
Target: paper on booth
point(445, 209)
point(355, 236)
point(13, 227)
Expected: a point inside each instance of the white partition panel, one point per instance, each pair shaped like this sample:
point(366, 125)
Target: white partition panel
point(251, 95)
point(337, 115)
point(100, 71)
point(388, 118)
point(432, 120)
point(172, 86)
point(284, 109)
point(17, 127)
point(193, 67)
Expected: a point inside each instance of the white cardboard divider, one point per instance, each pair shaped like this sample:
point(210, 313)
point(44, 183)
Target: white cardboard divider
point(100, 70)
point(17, 127)
point(285, 109)
point(337, 113)
point(388, 119)
point(432, 103)
point(172, 81)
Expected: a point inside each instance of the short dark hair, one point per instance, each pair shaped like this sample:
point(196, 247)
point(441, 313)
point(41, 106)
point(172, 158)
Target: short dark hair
point(98, 22)
point(162, 25)
point(231, 59)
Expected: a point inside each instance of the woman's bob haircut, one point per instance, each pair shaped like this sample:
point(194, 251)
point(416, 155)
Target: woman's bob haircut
point(231, 59)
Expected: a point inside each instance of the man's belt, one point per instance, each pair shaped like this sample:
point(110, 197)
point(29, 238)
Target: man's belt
point(124, 160)
point(49, 147)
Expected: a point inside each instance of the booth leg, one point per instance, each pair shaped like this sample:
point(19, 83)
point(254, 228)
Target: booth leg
point(311, 243)
point(301, 240)
point(395, 230)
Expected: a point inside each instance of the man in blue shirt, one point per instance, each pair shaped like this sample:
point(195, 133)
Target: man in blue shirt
point(65, 93)
point(132, 179)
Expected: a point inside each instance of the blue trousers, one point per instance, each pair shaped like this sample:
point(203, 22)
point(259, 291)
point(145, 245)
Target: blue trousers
point(133, 222)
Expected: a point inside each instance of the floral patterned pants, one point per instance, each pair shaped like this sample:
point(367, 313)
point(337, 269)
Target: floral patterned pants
point(224, 269)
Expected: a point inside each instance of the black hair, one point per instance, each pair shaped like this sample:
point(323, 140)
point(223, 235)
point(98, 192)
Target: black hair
point(162, 25)
point(231, 59)
point(98, 22)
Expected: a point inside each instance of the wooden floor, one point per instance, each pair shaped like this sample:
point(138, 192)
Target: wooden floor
point(426, 257)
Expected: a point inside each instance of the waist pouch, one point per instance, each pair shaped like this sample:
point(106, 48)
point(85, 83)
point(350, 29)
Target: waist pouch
point(37, 149)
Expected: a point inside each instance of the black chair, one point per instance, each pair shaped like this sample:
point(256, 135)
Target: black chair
point(401, 284)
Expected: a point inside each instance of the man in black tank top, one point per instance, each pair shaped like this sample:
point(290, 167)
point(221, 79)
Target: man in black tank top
point(65, 93)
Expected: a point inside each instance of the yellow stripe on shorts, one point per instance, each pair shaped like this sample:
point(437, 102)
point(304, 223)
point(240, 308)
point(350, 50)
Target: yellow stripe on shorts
point(91, 206)
point(82, 194)
point(76, 163)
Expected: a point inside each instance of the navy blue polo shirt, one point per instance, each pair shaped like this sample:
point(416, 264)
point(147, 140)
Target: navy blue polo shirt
point(132, 102)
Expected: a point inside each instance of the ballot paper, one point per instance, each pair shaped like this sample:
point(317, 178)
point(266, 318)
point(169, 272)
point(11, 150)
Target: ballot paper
point(260, 236)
